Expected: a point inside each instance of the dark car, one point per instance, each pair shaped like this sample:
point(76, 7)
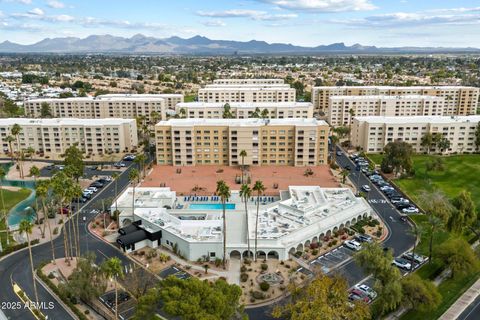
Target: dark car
point(81, 200)
point(347, 167)
point(96, 184)
point(402, 205)
point(364, 238)
point(102, 181)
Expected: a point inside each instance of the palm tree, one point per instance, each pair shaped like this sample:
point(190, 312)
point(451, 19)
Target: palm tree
point(259, 188)
point(41, 191)
point(30, 152)
point(60, 184)
point(4, 212)
point(140, 161)
point(265, 113)
point(16, 130)
point(351, 112)
point(9, 140)
point(76, 193)
point(26, 226)
point(154, 117)
point(344, 175)
point(245, 194)
point(133, 176)
point(417, 232)
point(115, 176)
point(334, 140)
point(223, 191)
point(243, 154)
point(434, 223)
point(35, 172)
point(112, 268)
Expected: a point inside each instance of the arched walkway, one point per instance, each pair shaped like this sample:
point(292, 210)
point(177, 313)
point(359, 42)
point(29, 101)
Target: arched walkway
point(235, 254)
point(307, 244)
point(261, 254)
point(300, 247)
point(315, 239)
point(273, 255)
point(247, 254)
point(329, 233)
point(291, 251)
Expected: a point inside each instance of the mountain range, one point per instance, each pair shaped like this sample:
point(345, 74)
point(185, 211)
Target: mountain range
point(199, 45)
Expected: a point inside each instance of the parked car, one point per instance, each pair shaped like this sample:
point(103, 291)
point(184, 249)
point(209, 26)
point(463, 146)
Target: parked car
point(410, 210)
point(339, 153)
point(352, 244)
point(87, 195)
point(372, 294)
point(129, 157)
point(80, 199)
point(363, 238)
point(93, 189)
point(402, 263)
point(414, 257)
point(355, 294)
point(398, 199)
point(347, 167)
point(386, 187)
point(96, 184)
point(119, 165)
point(402, 205)
point(63, 210)
point(366, 188)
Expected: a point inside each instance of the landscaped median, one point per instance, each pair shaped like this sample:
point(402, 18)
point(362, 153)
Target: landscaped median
point(27, 302)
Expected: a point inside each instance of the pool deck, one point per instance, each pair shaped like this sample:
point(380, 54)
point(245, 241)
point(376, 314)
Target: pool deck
point(201, 180)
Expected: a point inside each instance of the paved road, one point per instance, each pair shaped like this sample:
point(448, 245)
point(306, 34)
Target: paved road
point(398, 239)
point(16, 267)
point(472, 312)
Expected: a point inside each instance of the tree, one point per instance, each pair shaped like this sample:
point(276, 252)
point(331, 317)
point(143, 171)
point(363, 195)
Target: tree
point(35, 172)
point(10, 140)
point(45, 110)
point(140, 160)
point(223, 191)
point(398, 158)
point(334, 140)
point(259, 188)
point(243, 154)
point(427, 141)
point(434, 224)
point(87, 280)
point(29, 152)
point(26, 227)
point(477, 137)
point(133, 177)
point(227, 112)
point(256, 113)
point(299, 88)
point(420, 294)
point(325, 296)
point(374, 260)
point(443, 144)
point(147, 306)
point(61, 184)
point(73, 160)
point(342, 132)
point(245, 194)
point(465, 214)
point(4, 211)
point(457, 255)
point(112, 268)
point(16, 130)
point(115, 177)
point(344, 175)
point(265, 113)
point(436, 138)
point(351, 112)
point(437, 204)
point(192, 299)
point(41, 191)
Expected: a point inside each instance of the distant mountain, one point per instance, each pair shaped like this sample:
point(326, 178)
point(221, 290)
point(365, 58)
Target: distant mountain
point(200, 45)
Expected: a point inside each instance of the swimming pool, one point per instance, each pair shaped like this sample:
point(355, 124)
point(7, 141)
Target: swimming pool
point(211, 206)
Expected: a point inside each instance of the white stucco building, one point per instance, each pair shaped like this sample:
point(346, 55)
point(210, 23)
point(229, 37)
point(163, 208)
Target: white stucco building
point(301, 216)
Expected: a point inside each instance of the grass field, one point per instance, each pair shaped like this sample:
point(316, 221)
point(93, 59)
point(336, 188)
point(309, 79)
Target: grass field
point(11, 199)
point(461, 172)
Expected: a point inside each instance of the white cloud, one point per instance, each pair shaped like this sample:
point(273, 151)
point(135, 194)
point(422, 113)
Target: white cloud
point(214, 23)
point(323, 5)
point(56, 4)
point(92, 22)
point(252, 14)
point(19, 1)
point(36, 12)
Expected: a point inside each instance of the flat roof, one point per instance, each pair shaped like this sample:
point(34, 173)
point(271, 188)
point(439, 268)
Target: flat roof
point(396, 87)
point(111, 97)
point(254, 122)
point(240, 105)
point(387, 97)
point(420, 119)
point(247, 88)
point(64, 121)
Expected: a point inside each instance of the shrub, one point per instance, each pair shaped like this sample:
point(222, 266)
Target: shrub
point(264, 286)
point(243, 269)
point(258, 295)
point(247, 261)
point(87, 312)
point(334, 166)
point(361, 230)
point(264, 266)
point(298, 254)
point(314, 245)
point(334, 242)
point(218, 262)
point(55, 231)
point(244, 277)
point(315, 252)
point(51, 275)
point(378, 233)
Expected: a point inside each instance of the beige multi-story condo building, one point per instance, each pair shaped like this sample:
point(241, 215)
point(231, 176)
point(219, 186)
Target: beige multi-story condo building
point(107, 106)
point(342, 107)
point(275, 92)
point(293, 142)
point(247, 81)
point(459, 100)
point(371, 134)
point(244, 110)
point(53, 136)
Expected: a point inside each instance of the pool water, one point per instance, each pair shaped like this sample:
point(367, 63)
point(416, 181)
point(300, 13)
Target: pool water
point(211, 206)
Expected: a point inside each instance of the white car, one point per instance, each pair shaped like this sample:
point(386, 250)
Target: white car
point(352, 244)
point(414, 257)
point(366, 188)
point(93, 189)
point(372, 294)
point(410, 210)
point(88, 191)
point(402, 263)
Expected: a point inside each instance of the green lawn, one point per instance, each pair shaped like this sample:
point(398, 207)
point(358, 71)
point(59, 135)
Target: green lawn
point(189, 98)
point(461, 172)
point(11, 199)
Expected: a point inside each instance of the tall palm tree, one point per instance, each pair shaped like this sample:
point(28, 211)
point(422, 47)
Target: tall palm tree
point(76, 193)
point(9, 140)
point(61, 185)
point(140, 161)
point(334, 139)
point(243, 154)
point(223, 191)
point(30, 151)
point(417, 232)
point(351, 112)
point(344, 175)
point(112, 268)
point(41, 191)
point(16, 130)
point(435, 223)
point(259, 188)
point(35, 172)
point(133, 176)
point(115, 176)
point(245, 194)
point(4, 212)
point(26, 226)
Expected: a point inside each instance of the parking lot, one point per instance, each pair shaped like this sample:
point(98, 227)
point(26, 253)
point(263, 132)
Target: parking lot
point(89, 171)
point(126, 304)
point(174, 271)
point(333, 259)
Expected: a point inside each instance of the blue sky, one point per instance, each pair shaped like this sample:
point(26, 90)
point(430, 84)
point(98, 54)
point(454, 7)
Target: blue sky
point(301, 22)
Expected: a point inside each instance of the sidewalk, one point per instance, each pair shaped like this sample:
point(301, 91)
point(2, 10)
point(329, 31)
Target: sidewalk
point(462, 303)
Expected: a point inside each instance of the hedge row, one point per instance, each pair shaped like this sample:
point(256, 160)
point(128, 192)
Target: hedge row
point(16, 247)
